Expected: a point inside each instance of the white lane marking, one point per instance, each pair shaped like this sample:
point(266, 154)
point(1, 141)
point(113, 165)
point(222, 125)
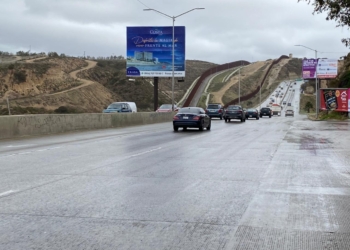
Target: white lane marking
point(196, 137)
point(146, 152)
point(24, 153)
point(30, 152)
point(19, 146)
point(7, 192)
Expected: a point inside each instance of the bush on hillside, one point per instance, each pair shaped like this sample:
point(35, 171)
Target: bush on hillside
point(20, 76)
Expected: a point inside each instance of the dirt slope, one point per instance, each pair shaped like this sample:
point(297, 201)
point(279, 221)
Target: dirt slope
point(246, 72)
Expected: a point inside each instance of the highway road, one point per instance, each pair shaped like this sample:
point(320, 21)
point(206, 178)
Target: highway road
point(273, 183)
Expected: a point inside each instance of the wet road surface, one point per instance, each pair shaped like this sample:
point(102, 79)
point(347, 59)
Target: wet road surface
point(273, 183)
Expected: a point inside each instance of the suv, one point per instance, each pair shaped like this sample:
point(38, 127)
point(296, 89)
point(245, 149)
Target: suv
point(234, 112)
point(289, 112)
point(265, 112)
point(215, 110)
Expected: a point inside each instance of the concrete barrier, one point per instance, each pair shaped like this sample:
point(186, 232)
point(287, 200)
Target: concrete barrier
point(27, 125)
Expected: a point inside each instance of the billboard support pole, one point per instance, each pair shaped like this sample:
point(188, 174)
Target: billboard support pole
point(173, 49)
point(173, 64)
point(316, 85)
point(155, 93)
point(316, 88)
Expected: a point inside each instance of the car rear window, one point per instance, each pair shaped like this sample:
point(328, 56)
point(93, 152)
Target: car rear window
point(189, 111)
point(251, 110)
point(213, 106)
point(233, 107)
point(265, 109)
point(115, 106)
point(166, 106)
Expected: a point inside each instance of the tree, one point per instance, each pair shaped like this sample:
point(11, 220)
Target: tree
point(337, 10)
point(308, 106)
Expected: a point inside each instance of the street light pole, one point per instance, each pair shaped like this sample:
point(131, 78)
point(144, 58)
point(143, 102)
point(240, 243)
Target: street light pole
point(173, 48)
point(315, 78)
point(239, 85)
point(260, 97)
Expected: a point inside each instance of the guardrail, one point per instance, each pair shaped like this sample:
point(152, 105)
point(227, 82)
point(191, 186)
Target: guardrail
point(209, 72)
point(248, 96)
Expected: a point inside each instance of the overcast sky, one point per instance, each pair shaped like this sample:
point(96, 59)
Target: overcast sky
point(226, 31)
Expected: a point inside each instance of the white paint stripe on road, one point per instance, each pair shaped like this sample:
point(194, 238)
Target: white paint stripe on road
point(7, 192)
point(19, 146)
point(146, 152)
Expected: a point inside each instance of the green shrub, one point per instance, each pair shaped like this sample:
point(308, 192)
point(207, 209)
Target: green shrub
point(62, 110)
point(20, 76)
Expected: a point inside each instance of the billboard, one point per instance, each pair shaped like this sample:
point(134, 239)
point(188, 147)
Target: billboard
point(326, 68)
point(335, 99)
point(149, 51)
point(309, 68)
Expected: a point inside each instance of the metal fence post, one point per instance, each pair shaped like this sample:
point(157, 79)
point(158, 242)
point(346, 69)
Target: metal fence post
point(8, 105)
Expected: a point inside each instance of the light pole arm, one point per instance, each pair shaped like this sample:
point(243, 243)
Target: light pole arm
point(189, 11)
point(159, 12)
point(306, 47)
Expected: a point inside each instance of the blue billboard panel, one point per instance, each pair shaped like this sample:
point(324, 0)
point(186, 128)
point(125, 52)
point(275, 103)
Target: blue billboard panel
point(149, 51)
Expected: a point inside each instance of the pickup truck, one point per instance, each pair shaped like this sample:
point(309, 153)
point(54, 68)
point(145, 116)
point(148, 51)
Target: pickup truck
point(276, 109)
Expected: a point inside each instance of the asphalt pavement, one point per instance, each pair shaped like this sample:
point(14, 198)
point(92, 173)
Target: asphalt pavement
point(272, 183)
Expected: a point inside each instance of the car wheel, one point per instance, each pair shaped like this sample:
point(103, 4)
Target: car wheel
point(270, 116)
point(201, 126)
point(176, 128)
point(244, 120)
point(220, 117)
point(229, 120)
point(241, 119)
point(257, 117)
point(184, 128)
point(225, 120)
point(208, 128)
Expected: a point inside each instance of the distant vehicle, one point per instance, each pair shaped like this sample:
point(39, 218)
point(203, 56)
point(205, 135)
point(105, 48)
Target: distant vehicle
point(234, 112)
point(118, 107)
point(276, 109)
point(215, 110)
point(284, 102)
point(289, 111)
point(166, 108)
point(252, 113)
point(265, 112)
point(295, 83)
point(289, 104)
point(133, 106)
point(191, 117)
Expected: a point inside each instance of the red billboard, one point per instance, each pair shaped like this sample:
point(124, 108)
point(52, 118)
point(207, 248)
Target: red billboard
point(335, 99)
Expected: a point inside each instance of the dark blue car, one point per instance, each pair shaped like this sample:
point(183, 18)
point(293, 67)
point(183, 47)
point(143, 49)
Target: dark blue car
point(191, 117)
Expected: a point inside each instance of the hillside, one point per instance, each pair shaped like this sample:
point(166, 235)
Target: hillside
point(81, 86)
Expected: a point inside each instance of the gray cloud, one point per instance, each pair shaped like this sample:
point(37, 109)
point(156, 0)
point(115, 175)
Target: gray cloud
point(225, 31)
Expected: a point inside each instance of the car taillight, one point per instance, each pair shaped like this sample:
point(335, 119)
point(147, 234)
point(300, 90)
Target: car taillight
point(176, 118)
point(196, 118)
point(206, 111)
point(220, 110)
